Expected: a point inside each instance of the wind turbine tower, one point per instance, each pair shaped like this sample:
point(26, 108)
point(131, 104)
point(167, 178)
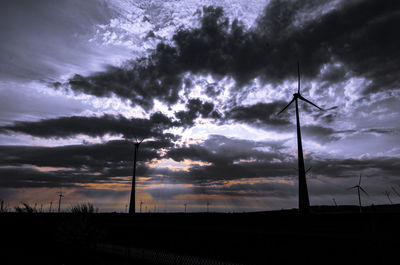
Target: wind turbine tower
point(132, 201)
point(358, 187)
point(59, 201)
point(304, 201)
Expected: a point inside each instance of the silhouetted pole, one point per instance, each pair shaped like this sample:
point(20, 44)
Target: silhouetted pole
point(59, 202)
point(132, 201)
point(141, 203)
point(51, 204)
point(304, 202)
point(185, 206)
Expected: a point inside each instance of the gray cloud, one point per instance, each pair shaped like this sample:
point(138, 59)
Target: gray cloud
point(361, 35)
point(195, 109)
point(261, 114)
point(46, 39)
point(95, 126)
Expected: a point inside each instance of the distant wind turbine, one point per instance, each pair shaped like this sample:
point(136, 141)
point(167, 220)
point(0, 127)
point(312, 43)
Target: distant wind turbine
point(358, 187)
point(395, 191)
point(51, 204)
point(185, 206)
point(59, 200)
point(304, 201)
point(132, 201)
point(208, 204)
point(388, 196)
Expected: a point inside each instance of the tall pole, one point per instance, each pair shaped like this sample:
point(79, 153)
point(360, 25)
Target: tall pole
point(51, 203)
point(359, 198)
point(132, 201)
point(304, 202)
point(59, 202)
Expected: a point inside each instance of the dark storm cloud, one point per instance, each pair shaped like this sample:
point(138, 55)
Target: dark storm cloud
point(96, 156)
point(261, 114)
point(231, 159)
point(341, 168)
point(27, 166)
point(218, 149)
point(95, 126)
point(324, 134)
point(195, 109)
point(26, 177)
point(359, 34)
point(362, 35)
point(18, 177)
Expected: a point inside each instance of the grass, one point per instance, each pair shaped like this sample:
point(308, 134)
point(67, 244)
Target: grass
point(83, 208)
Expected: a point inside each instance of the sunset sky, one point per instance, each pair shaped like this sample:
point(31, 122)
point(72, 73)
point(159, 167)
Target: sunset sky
point(202, 82)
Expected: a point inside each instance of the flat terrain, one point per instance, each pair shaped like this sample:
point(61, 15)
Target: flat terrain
point(330, 235)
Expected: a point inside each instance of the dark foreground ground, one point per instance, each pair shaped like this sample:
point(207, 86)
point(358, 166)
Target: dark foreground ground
point(330, 235)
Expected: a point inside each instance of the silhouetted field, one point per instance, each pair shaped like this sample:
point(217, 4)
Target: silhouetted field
point(330, 235)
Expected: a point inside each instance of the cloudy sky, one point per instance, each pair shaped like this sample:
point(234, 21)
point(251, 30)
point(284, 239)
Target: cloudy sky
point(202, 82)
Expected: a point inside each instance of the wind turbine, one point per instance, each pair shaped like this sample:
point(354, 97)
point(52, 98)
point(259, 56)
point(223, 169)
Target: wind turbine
point(395, 191)
point(132, 205)
point(59, 200)
point(388, 196)
point(358, 187)
point(334, 201)
point(304, 201)
point(185, 206)
point(51, 204)
point(208, 204)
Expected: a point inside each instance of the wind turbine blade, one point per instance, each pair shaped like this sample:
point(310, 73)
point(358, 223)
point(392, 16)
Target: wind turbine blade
point(355, 187)
point(298, 77)
point(286, 106)
point(306, 100)
point(395, 191)
point(331, 108)
point(364, 191)
point(308, 169)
